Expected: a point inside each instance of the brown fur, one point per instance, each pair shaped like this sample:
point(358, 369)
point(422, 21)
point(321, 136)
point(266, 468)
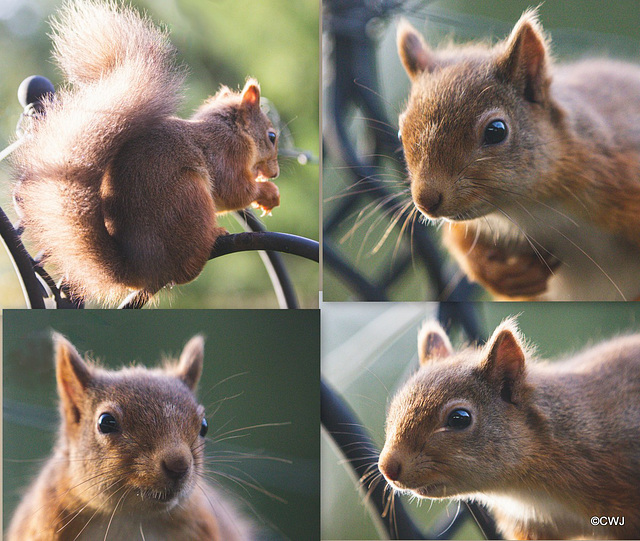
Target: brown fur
point(549, 446)
point(573, 144)
point(118, 192)
point(96, 482)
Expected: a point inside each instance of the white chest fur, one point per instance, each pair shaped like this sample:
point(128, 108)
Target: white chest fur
point(595, 265)
point(540, 513)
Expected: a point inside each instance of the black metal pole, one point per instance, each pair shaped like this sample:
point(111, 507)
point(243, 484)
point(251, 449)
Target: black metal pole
point(357, 446)
point(31, 288)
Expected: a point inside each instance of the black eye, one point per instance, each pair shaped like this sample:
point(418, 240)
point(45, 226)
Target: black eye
point(399, 136)
point(107, 423)
point(204, 427)
point(459, 419)
point(495, 132)
point(272, 136)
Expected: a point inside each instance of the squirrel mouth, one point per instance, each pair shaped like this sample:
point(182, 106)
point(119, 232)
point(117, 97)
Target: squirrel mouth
point(160, 496)
point(435, 490)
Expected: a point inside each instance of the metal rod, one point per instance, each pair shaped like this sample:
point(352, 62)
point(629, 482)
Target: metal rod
point(266, 240)
point(356, 445)
point(31, 288)
point(367, 290)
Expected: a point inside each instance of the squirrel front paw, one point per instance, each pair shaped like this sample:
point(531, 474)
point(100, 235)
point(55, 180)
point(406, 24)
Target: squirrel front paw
point(268, 196)
point(498, 269)
point(521, 275)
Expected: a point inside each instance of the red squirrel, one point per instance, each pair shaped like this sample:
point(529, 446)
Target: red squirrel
point(129, 460)
point(534, 166)
point(118, 192)
point(546, 446)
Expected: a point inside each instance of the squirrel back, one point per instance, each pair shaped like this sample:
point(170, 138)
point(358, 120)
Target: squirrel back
point(118, 192)
point(129, 461)
point(529, 156)
point(545, 446)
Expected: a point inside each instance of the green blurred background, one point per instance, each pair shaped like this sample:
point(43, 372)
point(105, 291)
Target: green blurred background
point(222, 42)
point(578, 28)
point(271, 358)
point(369, 350)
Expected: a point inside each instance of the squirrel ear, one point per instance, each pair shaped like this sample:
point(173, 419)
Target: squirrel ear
point(433, 343)
point(414, 53)
point(189, 367)
point(73, 376)
point(505, 360)
point(251, 94)
point(525, 57)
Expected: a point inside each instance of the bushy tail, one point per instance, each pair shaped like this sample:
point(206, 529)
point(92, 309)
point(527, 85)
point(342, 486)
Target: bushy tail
point(124, 80)
point(93, 38)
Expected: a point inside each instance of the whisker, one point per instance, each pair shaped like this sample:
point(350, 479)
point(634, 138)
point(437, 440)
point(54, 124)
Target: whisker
point(397, 216)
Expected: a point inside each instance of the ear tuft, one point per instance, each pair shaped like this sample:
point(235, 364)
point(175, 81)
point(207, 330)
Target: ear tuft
point(251, 94)
point(505, 357)
point(189, 367)
point(73, 376)
point(525, 59)
point(223, 92)
point(433, 343)
point(415, 55)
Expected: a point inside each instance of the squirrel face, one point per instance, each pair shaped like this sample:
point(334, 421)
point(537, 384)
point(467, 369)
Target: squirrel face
point(261, 132)
point(258, 137)
point(134, 437)
point(449, 431)
point(476, 121)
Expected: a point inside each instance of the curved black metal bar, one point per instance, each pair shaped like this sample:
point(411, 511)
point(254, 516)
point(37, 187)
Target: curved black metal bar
point(31, 287)
point(366, 290)
point(464, 314)
point(272, 261)
point(242, 242)
point(356, 445)
point(267, 241)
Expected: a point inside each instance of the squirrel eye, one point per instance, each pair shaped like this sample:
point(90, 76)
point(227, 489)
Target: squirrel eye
point(459, 419)
point(204, 427)
point(272, 136)
point(399, 136)
point(495, 132)
point(107, 423)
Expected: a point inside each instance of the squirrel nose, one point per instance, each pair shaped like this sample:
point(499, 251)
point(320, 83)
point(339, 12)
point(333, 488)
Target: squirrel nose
point(429, 201)
point(434, 204)
point(390, 467)
point(176, 464)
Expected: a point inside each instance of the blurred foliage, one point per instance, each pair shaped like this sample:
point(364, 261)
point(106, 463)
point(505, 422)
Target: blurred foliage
point(578, 28)
point(222, 42)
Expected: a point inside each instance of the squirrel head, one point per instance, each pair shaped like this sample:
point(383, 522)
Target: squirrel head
point(460, 424)
point(134, 438)
point(261, 131)
point(259, 137)
point(476, 127)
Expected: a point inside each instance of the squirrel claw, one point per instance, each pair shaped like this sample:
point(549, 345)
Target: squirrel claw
point(266, 211)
